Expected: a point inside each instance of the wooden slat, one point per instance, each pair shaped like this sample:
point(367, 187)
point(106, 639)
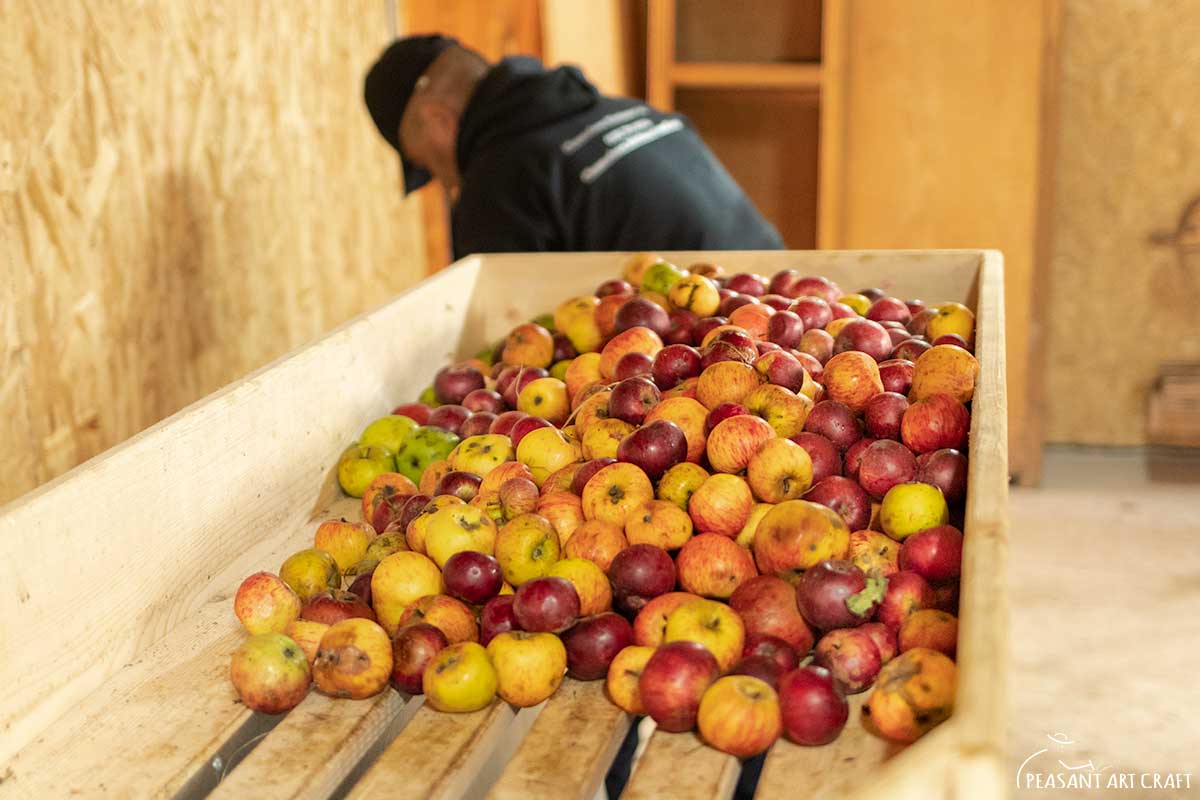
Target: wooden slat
point(568, 749)
point(831, 167)
point(660, 53)
point(746, 76)
point(680, 765)
point(830, 771)
point(436, 755)
point(315, 747)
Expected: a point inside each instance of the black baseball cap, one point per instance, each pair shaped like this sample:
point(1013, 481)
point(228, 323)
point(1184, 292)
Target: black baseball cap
point(389, 85)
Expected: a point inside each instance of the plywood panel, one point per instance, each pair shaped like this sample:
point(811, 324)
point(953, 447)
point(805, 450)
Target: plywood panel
point(768, 142)
point(1124, 290)
point(938, 145)
point(602, 42)
point(775, 30)
point(183, 200)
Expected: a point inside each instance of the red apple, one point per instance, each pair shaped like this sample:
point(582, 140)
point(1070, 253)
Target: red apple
point(614, 286)
point(681, 329)
point(794, 285)
point(884, 637)
point(889, 308)
point(747, 283)
point(460, 484)
point(593, 643)
point(817, 343)
point(939, 421)
point(916, 325)
point(853, 457)
point(361, 585)
point(882, 415)
point(866, 336)
point(413, 507)
point(453, 383)
point(896, 374)
point(836, 594)
point(765, 668)
point(826, 460)
point(527, 424)
point(334, 606)
point(772, 647)
point(915, 306)
point(934, 553)
point(814, 367)
point(674, 680)
point(776, 301)
point(705, 325)
point(417, 412)
point(852, 656)
point(884, 464)
point(585, 473)
point(484, 400)
point(814, 708)
point(785, 328)
point(413, 650)
point(873, 293)
point(477, 424)
point(638, 574)
point(842, 311)
point(906, 592)
point(449, 418)
point(497, 617)
point(633, 364)
point(720, 413)
point(632, 399)
point(674, 364)
point(472, 577)
point(844, 496)
point(767, 606)
point(640, 312)
point(546, 605)
point(951, 338)
point(782, 369)
point(503, 423)
point(717, 352)
point(945, 469)
point(655, 448)
point(835, 421)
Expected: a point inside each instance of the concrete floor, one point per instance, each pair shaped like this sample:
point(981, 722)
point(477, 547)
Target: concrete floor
point(1104, 570)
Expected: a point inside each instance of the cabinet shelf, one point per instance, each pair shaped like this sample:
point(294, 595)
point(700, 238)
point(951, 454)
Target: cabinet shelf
point(741, 75)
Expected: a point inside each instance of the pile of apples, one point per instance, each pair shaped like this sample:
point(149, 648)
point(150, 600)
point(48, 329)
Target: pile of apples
point(729, 497)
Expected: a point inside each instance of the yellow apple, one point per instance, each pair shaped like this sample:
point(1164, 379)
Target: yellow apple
point(697, 294)
point(460, 679)
point(944, 369)
point(584, 369)
point(346, 541)
point(400, 580)
point(721, 505)
point(546, 450)
point(780, 470)
point(910, 508)
point(615, 491)
point(623, 675)
point(712, 624)
point(482, 454)
point(529, 345)
point(456, 528)
point(745, 537)
point(565, 512)
point(526, 548)
point(852, 378)
point(680, 482)
point(859, 302)
point(310, 572)
point(951, 318)
point(529, 666)
point(590, 582)
point(660, 523)
point(546, 398)
point(783, 409)
point(418, 527)
point(266, 604)
point(726, 382)
point(603, 436)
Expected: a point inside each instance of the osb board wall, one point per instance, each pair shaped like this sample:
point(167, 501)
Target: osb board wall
point(188, 191)
point(1128, 163)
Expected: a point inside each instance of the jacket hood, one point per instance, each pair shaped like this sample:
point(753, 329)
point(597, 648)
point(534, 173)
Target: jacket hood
point(516, 96)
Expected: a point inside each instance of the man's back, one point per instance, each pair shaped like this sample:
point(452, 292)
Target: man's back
point(549, 164)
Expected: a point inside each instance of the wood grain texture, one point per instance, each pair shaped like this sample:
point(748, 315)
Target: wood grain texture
point(580, 717)
point(1128, 164)
point(769, 31)
point(602, 42)
point(183, 200)
point(941, 111)
point(660, 53)
point(680, 765)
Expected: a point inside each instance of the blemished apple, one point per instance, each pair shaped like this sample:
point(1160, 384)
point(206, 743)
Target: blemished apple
point(593, 643)
point(497, 617)
point(638, 574)
point(264, 603)
point(885, 639)
point(884, 464)
point(929, 628)
point(852, 656)
point(413, 648)
point(906, 592)
point(353, 660)
point(865, 336)
point(674, 680)
point(825, 458)
point(875, 553)
point(453, 617)
point(525, 548)
point(460, 679)
point(546, 605)
point(427, 445)
point(767, 606)
point(814, 709)
point(529, 666)
point(913, 693)
point(837, 594)
point(796, 535)
point(836, 422)
point(472, 577)
point(739, 715)
point(624, 674)
point(310, 572)
point(947, 470)
point(655, 448)
point(713, 565)
point(845, 497)
point(271, 674)
point(935, 553)
point(334, 606)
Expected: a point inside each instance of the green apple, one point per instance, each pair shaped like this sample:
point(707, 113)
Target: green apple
point(426, 445)
point(546, 321)
point(390, 432)
point(361, 464)
point(559, 370)
point(428, 397)
point(661, 277)
point(487, 355)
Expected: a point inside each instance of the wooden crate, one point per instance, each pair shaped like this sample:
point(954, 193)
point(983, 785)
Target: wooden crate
point(116, 615)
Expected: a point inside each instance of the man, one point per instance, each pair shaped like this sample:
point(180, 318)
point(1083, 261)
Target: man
point(538, 160)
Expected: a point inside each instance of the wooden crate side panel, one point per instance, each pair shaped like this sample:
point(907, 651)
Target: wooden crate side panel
point(147, 534)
